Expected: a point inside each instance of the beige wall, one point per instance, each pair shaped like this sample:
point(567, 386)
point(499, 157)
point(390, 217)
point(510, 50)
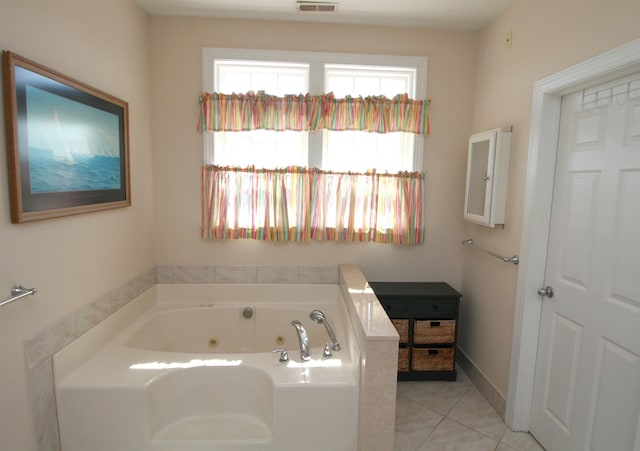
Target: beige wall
point(107, 44)
point(548, 36)
point(176, 64)
point(72, 260)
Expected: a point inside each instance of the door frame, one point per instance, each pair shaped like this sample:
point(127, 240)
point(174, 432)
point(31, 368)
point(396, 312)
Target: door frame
point(541, 162)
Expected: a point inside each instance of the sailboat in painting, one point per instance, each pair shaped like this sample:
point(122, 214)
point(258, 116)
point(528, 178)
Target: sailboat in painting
point(72, 146)
point(61, 152)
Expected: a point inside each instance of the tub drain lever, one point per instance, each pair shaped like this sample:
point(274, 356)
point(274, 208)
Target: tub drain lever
point(284, 355)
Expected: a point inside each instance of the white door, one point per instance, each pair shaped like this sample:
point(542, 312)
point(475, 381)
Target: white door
point(587, 379)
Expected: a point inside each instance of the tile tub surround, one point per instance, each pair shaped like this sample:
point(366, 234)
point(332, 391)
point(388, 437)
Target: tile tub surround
point(378, 341)
point(40, 349)
point(247, 274)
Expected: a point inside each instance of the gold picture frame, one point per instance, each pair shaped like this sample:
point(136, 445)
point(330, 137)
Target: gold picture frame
point(67, 144)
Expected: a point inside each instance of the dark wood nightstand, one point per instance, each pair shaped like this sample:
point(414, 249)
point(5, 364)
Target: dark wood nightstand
point(425, 315)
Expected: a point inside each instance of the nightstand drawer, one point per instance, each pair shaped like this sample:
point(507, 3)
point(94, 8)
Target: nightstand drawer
point(402, 326)
point(395, 308)
point(434, 332)
point(432, 359)
point(434, 309)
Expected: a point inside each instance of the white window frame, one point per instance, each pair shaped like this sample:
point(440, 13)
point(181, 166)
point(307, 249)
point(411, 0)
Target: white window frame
point(316, 61)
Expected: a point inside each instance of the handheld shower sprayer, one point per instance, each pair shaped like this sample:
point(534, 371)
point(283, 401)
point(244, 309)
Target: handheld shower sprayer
point(319, 317)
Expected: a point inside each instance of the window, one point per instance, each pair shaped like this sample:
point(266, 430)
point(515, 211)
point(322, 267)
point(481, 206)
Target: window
point(318, 185)
point(361, 151)
point(280, 73)
point(261, 148)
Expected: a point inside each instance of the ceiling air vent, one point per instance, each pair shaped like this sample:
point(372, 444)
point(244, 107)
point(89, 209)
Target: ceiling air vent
point(316, 7)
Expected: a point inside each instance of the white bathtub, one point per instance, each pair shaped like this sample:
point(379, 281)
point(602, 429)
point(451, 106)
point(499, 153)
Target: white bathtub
point(221, 329)
point(186, 371)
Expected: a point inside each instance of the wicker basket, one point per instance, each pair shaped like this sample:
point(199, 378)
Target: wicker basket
point(403, 359)
point(432, 359)
point(402, 326)
point(434, 332)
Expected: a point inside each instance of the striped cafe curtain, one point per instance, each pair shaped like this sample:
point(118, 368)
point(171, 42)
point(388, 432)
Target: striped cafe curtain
point(299, 204)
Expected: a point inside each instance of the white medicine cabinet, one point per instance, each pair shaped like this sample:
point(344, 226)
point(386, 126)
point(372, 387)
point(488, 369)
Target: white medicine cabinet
point(487, 174)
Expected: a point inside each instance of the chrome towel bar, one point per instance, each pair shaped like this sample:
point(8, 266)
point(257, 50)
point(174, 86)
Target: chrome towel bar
point(18, 292)
point(515, 259)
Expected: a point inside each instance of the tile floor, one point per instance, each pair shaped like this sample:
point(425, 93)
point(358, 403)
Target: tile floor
point(452, 416)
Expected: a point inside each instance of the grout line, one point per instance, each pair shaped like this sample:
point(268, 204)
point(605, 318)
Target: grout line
point(467, 391)
point(473, 429)
point(432, 431)
point(480, 432)
point(503, 434)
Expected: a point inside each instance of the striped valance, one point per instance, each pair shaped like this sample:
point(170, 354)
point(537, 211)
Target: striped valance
point(306, 112)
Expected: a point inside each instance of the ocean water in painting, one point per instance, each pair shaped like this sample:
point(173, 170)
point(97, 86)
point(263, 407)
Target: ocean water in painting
point(72, 146)
point(49, 174)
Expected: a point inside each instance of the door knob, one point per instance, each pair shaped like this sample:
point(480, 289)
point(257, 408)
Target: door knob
point(546, 291)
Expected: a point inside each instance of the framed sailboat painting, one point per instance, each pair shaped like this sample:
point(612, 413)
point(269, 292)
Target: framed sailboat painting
point(67, 144)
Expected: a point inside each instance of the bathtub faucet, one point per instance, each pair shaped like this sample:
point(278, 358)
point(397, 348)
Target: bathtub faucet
point(305, 352)
point(318, 317)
